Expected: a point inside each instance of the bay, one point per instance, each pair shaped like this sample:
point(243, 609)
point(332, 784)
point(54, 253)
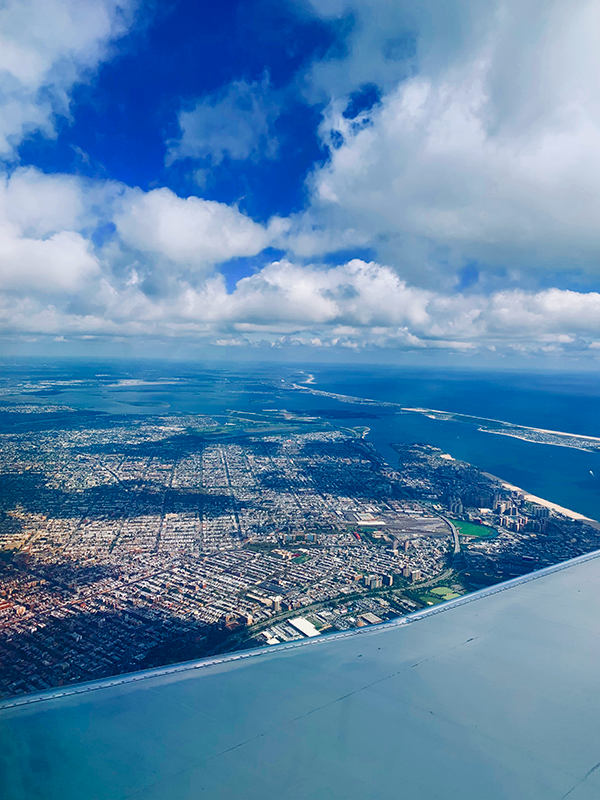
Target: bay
point(562, 402)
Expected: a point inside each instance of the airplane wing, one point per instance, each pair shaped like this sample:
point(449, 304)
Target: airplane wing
point(495, 696)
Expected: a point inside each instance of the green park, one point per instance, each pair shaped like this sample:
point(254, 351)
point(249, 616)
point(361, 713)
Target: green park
point(474, 529)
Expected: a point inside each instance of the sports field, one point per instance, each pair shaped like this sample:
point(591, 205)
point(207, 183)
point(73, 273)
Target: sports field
point(471, 529)
point(445, 592)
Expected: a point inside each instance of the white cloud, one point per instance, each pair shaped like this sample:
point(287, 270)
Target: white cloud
point(356, 293)
point(558, 311)
point(487, 153)
point(61, 263)
point(47, 226)
point(352, 306)
point(40, 248)
point(388, 40)
point(41, 204)
point(236, 122)
point(190, 231)
point(309, 235)
point(46, 47)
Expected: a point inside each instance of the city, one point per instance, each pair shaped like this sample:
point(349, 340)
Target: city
point(135, 542)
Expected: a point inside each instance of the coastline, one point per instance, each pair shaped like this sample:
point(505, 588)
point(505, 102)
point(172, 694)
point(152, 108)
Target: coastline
point(580, 442)
point(510, 428)
point(566, 512)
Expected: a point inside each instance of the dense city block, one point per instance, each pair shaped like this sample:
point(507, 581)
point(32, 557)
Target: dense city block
point(134, 542)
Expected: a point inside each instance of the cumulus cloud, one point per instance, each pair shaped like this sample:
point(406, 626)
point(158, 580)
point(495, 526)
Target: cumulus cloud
point(357, 305)
point(388, 41)
point(48, 242)
point(486, 151)
point(481, 146)
point(41, 204)
point(189, 231)
point(58, 264)
point(46, 47)
point(236, 122)
point(40, 246)
point(354, 294)
point(561, 312)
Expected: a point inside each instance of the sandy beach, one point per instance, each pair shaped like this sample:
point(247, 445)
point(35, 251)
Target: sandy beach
point(532, 498)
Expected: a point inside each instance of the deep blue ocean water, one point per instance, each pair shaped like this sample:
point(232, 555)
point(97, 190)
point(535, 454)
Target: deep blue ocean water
point(567, 402)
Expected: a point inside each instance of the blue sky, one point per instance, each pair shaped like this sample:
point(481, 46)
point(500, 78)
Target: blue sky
point(124, 117)
point(358, 179)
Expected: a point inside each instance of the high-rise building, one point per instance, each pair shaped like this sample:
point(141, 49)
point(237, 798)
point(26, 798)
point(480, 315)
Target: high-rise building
point(540, 511)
